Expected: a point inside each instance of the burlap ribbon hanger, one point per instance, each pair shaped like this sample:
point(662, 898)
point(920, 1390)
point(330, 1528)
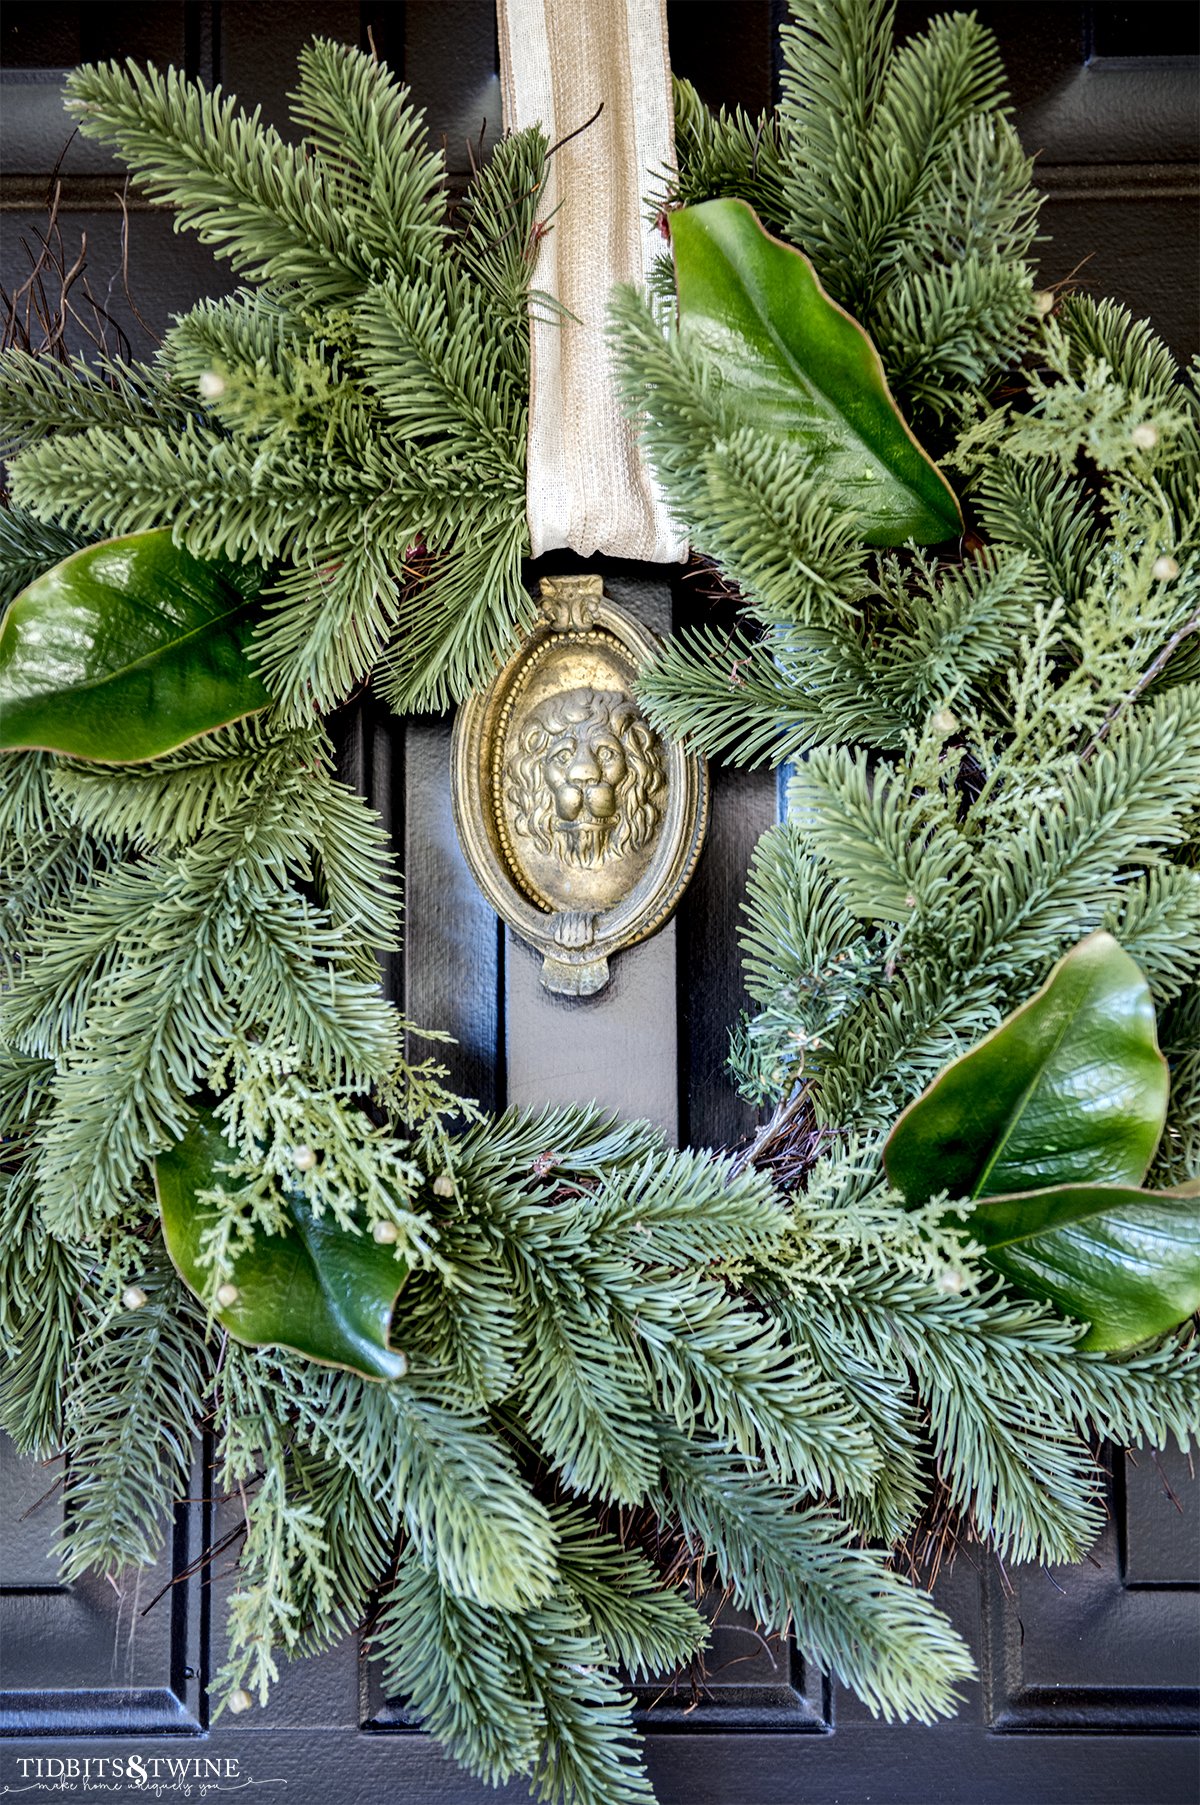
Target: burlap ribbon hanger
point(587, 488)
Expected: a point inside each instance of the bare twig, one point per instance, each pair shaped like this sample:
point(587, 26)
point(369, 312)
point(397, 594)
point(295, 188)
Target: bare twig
point(1147, 677)
point(579, 129)
point(56, 295)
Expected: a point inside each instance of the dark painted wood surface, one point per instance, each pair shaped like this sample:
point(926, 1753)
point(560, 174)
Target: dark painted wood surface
point(1088, 1674)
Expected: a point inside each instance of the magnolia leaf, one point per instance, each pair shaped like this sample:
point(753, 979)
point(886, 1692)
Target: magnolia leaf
point(1124, 1260)
point(315, 1289)
point(1071, 1088)
point(126, 650)
point(792, 362)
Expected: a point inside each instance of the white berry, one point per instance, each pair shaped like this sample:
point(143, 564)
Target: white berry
point(1043, 302)
point(240, 1701)
point(227, 1295)
point(133, 1298)
point(304, 1159)
point(1145, 436)
point(1165, 568)
point(443, 1186)
point(943, 722)
point(385, 1233)
point(211, 387)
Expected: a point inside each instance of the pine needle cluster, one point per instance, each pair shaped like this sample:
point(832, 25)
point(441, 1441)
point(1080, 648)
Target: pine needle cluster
point(998, 753)
point(582, 1346)
point(355, 422)
point(900, 175)
point(991, 754)
point(580, 1341)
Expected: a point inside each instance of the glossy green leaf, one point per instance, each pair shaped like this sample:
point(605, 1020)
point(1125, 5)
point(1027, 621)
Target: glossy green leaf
point(126, 650)
point(315, 1289)
point(1071, 1088)
point(1051, 1123)
point(795, 363)
point(1124, 1260)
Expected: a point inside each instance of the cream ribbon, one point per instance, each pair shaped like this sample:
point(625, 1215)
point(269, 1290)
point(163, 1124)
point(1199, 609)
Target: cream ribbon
point(587, 487)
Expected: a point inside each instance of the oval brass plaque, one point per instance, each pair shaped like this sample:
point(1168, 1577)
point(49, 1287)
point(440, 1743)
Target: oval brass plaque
point(580, 825)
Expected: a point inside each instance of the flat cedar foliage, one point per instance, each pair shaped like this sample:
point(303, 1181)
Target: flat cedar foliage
point(633, 1371)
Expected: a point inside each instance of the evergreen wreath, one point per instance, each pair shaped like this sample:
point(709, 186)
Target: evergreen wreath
point(614, 1373)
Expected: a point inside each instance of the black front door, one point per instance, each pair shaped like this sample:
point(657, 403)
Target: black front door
point(1088, 1673)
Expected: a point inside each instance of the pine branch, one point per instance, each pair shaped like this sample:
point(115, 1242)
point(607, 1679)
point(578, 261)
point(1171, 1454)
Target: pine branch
point(41, 397)
point(645, 1625)
point(354, 865)
point(50, 1000)
point(835, 62)
point(136, 1398)
point(1027, 1481)
point(42, 1281)
point(23, 1093)
point(173, 800)
point(907, 187)
point(896, 858)
point(798, 926)
point(421, 341)
point(264, 781)
point(453, 1662)
point(494, 242)
point(728, 697)
point(456, 622)
point(583, 1403)
point(1178, 1156)
point(40, 880)
point(127, 480)
point(141, 981)
point(330, 616)
point(512, 1694)
point(256, 200)
point(853, 1615)
point(719, 1367)
point(370, 144)
point(568, 1142)
point(1157, 922)
point(872, 1376)
point(27, 548)
point(463, 1326)
point(726, 154)
point(1120, 810)
point(1137, 359)
point(27, 807)
point(252, 331)
point(946, 633)
point(441, 1474)
point(1146, 1396)
point(302, 984)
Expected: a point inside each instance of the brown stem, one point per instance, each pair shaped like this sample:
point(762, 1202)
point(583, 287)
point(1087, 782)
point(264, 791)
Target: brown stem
point(1147, 677)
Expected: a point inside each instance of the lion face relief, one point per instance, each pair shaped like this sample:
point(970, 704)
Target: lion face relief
point(586, 781)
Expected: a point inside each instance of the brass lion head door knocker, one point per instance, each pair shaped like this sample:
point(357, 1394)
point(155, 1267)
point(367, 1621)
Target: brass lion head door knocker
point(580, 825)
